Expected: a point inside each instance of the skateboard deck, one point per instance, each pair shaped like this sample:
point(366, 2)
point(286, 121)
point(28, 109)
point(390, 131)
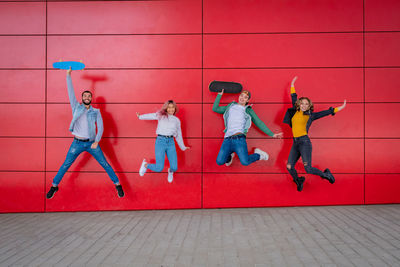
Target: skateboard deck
point(65, 65)
point(229, 87)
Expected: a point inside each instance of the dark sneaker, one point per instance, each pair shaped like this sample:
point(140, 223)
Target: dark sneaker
point(299, 182)
point(51, 192)
point(329, 175)
point(120, 191)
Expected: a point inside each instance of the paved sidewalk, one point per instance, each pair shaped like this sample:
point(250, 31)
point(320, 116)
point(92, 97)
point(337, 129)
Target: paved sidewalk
point(293, 236)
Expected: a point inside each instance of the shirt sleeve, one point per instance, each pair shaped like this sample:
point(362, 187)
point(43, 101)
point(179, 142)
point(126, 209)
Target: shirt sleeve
point(178, 136)
point(148, 116)
point(216, 107)
point(71, 93)
point(100, 127)
point(259, 123)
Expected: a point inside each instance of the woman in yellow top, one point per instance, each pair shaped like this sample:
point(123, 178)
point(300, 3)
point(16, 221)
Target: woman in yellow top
point(300, 117)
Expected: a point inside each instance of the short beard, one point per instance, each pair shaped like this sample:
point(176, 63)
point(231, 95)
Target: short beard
point(85, 102)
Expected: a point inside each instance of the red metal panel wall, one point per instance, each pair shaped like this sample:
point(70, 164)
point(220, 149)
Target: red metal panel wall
point(149, 192)
point(144, 17)
point(138, 54)
point(22, 192)
point(283, 50)
point(259, 16)
point(23, 18)
point(382, 15)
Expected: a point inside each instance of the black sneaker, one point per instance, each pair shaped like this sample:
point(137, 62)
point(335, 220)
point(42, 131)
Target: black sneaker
point(330, 177)
point(299, 182)
point(120, 191)
point(51, 192)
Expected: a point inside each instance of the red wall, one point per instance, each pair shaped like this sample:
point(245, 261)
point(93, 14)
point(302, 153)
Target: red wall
point(140, 53)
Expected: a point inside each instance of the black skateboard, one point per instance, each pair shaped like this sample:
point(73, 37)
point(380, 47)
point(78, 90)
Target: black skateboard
point(229, 87)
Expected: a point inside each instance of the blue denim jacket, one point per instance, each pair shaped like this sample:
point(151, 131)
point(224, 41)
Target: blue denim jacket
point(93, 115)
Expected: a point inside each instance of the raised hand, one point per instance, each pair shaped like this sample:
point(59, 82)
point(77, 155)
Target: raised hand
point(342, 106)
point(137, 114)
point(222, 92)
point(293, 81)
point(69, 71)
point(94, 145)
point(277, 135)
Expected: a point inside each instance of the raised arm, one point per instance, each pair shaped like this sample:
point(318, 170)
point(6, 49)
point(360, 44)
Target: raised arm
point(341, 107)
point(216, 107)
point(293, 91)
point(71, 93)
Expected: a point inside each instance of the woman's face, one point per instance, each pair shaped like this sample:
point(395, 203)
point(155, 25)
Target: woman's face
point(171, 109)
point(304, 105)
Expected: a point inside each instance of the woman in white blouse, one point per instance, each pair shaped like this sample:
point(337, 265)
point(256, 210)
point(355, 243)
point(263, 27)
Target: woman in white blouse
point(169, 126)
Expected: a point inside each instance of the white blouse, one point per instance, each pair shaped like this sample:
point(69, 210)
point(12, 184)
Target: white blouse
point(167, 125)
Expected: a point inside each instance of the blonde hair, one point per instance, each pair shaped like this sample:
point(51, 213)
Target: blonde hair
point(163, 111)
point(297, 104)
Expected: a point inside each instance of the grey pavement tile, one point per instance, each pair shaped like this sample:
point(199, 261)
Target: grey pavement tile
point(295, 236)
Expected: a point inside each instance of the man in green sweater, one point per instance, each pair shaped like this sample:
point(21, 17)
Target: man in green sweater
point(237, 119)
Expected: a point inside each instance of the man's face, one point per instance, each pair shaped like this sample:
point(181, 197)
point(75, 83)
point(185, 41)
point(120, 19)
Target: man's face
point(87, 98)
point(243, 99)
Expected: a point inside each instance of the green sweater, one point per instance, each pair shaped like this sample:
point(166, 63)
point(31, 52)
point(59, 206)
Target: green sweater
point(251, 116)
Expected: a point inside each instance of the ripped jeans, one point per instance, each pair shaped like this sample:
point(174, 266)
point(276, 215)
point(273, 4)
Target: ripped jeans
point(76, 148)
point(302, 147)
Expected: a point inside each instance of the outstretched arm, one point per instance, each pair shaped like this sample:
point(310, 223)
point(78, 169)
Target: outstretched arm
point(71, 92)
point(149, 116)
point(261, 125)
point(331, 111)
point(341, 107)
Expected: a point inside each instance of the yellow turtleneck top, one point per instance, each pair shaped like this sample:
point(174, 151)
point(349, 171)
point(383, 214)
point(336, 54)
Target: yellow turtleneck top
point(299, 120)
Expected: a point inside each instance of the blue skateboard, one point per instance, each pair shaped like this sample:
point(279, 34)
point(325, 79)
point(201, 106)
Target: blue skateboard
point(229, 87)
point(65, 65)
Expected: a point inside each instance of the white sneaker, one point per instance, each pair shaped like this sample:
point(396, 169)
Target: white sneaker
point(230, 162)
point(143, 169)
point(263, 155)
point(170, 176)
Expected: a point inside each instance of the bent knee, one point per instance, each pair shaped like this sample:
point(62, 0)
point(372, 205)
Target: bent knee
point(220, 162)
point(245, 162)
point(307, 168)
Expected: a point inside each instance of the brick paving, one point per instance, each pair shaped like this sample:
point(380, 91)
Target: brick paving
point(290, 236)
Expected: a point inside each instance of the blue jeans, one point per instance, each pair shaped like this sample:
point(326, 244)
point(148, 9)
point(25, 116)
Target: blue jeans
point(164, 145)
point(76, 148)
point(302, 147)
point(237, 144)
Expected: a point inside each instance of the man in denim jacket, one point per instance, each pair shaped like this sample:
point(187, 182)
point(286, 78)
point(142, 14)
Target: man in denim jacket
point(83, 127)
